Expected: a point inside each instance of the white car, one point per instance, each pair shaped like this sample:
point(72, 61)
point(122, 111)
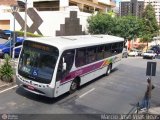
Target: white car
point(133, 53)
point(149, 54)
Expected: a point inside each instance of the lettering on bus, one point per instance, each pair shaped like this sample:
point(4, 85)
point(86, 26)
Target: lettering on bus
point(45, 48)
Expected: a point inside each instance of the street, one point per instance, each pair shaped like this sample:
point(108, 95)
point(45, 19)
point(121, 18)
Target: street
point(2, 41)
point(117, 93)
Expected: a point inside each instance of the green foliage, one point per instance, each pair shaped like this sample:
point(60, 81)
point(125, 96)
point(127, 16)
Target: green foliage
point(111, 13)
point(21, 34)
point(128, 27)
point(100, 24)
point(151, 27)
point(6, 70)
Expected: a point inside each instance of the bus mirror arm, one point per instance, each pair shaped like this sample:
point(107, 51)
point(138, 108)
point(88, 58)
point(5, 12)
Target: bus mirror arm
point(64, 66)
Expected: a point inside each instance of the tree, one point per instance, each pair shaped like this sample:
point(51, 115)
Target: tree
point(151, 27)
point(100, 24)
point(111, 13)
point(127, 27)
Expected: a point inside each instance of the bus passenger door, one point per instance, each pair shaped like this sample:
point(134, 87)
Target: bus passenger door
point(64, 68)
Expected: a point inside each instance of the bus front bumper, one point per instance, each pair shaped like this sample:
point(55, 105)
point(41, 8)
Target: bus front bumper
point(39, 89)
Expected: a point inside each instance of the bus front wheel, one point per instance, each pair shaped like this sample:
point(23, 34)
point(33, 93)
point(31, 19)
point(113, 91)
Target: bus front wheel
point(109, 69)
point(74, 86)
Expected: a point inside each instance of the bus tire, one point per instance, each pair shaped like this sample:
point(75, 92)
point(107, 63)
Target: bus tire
point(108, 69)
point(74, 86)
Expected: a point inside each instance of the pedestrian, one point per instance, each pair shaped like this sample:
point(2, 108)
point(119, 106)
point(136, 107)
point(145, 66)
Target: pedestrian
point(147, 96)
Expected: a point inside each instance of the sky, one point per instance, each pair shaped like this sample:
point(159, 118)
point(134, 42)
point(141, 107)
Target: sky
point(117, 3)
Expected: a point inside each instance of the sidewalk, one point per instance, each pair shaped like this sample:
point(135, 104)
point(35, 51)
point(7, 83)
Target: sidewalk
point(152, 114)
point(154, 110)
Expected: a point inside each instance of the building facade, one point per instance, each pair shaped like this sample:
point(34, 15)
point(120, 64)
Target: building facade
point(51, 17)
point(131, 7)
point(84, 5)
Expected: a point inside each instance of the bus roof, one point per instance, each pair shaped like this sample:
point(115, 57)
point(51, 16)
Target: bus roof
point(69, 42)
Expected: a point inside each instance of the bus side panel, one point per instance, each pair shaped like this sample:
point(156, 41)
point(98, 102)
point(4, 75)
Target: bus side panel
point(92, 75)
point(62, 88)
point(86, 74)
point(117, 61)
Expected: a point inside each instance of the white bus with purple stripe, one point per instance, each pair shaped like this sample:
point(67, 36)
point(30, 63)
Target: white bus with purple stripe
point(52, 66)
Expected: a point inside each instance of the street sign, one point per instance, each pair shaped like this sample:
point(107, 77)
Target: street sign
point(151, 69)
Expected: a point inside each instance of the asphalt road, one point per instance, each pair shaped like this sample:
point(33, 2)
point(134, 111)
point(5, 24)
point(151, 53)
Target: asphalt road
point(2, 41)
point(117, 93)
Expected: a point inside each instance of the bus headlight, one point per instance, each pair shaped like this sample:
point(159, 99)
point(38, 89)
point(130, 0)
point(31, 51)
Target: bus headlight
point(1, 51)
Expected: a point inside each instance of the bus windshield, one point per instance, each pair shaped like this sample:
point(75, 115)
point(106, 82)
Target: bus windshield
point(37, 62)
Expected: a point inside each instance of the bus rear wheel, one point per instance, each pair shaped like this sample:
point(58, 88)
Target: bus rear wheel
point(109, 69)
point(74, 86)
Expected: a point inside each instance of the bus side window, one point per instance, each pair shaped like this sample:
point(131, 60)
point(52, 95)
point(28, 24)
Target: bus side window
point(107, 52)
point(80, 57)
point(100, 52)
point(114, 48)
point(91, 54)
point(120, 47)
point(68, 57)
point(18, 44)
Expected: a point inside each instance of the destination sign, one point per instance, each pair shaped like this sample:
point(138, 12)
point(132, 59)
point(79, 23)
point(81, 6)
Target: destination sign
point(38, 46)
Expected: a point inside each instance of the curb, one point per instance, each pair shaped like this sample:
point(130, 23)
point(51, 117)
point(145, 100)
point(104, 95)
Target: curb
point(7, 85)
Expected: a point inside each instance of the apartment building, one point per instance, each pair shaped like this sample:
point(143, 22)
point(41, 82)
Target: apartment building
point(132, 7)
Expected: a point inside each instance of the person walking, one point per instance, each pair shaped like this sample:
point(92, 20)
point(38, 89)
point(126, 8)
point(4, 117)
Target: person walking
point(147, 96)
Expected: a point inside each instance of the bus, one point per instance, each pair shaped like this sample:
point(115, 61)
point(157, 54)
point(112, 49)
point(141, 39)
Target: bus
point(52, 66)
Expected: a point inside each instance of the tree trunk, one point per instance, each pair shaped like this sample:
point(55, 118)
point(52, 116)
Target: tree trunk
point(147, 45)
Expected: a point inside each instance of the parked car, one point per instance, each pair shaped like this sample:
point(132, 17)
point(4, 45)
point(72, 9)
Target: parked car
point(139, 52)
point(149, 54)
point(3, 35)
point(7, 47)
point(133, 53)
point(156, 49)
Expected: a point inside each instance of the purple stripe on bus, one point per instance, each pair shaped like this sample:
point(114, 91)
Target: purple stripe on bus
point(82, 71)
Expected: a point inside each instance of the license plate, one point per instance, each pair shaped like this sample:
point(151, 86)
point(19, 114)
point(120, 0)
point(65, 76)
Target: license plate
point(30, 87)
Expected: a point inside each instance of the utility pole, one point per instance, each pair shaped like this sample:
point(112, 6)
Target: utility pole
point(14, 9)
point(25, 25)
